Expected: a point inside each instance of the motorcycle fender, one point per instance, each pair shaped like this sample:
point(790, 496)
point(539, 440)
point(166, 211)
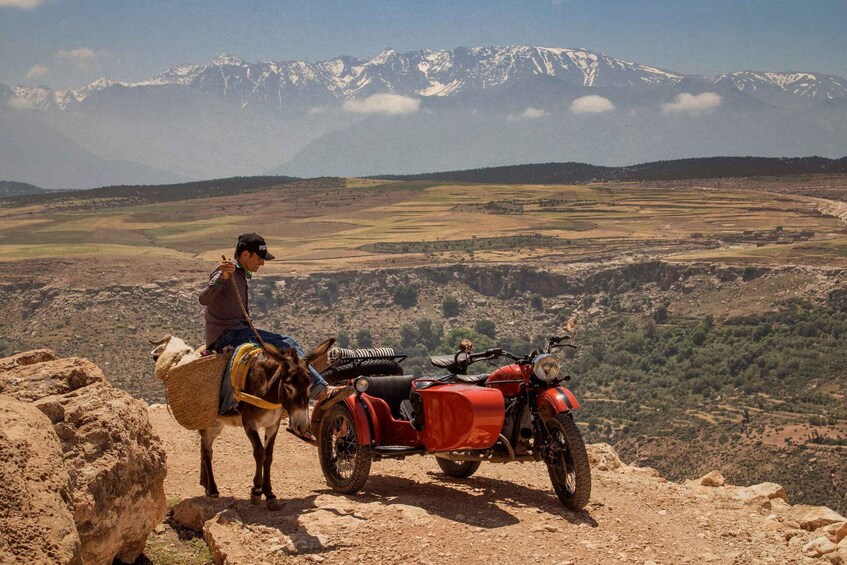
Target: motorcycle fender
point(363, 416)
point(555, 400)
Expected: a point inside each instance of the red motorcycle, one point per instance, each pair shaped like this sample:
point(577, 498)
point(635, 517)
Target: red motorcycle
point(518, 412)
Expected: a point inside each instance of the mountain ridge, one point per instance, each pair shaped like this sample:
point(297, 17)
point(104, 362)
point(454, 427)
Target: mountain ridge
point(425, 110)
point(428, 72)
point(674, 169)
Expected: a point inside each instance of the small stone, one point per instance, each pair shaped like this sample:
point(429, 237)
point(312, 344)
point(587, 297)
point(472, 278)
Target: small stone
point(712, 479)
point(662, 512)
point(818, 546)
point(836, 532)
point(811, 518)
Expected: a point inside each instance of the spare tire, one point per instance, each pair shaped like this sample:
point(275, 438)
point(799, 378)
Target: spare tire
point(369, 367)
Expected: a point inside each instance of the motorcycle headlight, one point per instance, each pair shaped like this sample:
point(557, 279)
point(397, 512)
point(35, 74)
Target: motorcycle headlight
point(546, 367)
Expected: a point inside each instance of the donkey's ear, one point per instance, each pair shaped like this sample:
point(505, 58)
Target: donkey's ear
point(317, 357)
point(274, 353)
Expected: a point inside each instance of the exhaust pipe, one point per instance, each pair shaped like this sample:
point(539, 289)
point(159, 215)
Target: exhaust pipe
point(459, 457)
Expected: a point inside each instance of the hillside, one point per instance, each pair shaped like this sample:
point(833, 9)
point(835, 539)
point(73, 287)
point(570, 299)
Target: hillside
point(711, 308)
point(12, 188)
point(123, 195)
point(701, 168)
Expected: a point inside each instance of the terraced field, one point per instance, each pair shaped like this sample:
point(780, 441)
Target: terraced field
point(368, 224)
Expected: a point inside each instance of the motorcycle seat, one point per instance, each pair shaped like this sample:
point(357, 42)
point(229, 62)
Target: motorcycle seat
point(393, 389)
point(443, 361)
point(476, 379)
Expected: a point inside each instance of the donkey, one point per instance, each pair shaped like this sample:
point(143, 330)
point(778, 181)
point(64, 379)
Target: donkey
point(279, 377)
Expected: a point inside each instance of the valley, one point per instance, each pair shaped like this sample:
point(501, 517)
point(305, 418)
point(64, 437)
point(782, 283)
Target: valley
point(713, 318)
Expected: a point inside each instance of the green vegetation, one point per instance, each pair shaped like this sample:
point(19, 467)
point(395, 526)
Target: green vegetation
point(364, 339)
point(468, 245)
point(778, 356)
point(450, 306)
point(405, 295)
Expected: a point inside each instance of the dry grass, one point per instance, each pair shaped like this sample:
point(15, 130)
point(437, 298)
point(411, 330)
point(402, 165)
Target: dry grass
point(321, 229)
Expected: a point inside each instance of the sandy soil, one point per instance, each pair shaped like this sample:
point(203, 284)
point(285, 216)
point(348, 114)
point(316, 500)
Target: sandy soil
point(409, 512)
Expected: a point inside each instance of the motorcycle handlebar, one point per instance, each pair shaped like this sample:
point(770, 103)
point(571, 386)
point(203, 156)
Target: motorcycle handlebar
point(497, 352)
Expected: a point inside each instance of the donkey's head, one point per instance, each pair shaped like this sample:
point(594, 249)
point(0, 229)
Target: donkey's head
point(294, 382)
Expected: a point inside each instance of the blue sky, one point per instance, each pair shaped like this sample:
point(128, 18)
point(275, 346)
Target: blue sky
point(69, 43)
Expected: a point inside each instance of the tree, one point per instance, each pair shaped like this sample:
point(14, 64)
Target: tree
point(450, 306)
point(486, 327)
point(408, 336)
point(364, 338)
point(405, 295)
point(325, 296)
point(342, 339)
point(536, 302)
point(430, 333)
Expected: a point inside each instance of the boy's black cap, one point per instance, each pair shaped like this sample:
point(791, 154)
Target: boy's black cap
point(255, 243)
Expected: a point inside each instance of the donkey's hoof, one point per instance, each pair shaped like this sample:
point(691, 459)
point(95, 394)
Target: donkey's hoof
point(275, 504)
point(213, 494)
point(255, 498)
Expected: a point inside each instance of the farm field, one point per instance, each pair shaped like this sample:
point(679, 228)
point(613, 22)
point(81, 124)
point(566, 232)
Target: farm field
point(366, 224)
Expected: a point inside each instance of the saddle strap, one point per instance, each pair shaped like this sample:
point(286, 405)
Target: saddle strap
point(242, 363)
point(255, 400)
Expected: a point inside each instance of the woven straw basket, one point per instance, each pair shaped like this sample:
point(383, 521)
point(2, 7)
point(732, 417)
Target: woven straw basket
point(194, 391)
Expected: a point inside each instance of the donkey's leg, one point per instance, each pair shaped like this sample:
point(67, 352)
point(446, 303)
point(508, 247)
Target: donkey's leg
point(270, 438)
point(259, 457)
point(207, 477)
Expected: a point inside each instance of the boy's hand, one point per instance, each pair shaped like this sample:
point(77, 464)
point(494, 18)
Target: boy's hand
point(227, 267)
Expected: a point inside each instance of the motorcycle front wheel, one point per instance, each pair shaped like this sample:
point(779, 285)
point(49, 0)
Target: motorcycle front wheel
point(567, 462)
point(457, 469)
point(345, 464)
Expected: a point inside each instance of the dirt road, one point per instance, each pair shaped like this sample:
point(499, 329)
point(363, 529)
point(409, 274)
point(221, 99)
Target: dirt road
point(409, 512)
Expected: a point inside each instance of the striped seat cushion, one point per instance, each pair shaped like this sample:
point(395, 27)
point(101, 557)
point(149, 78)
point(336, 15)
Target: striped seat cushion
point(341, 354)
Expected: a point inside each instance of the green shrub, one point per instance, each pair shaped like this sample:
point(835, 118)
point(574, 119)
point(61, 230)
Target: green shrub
point(486, 327)
point(364, 338)
point(450, 306)
point(405, 295)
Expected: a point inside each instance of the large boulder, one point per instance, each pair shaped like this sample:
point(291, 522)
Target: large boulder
point(36, 521)
point(26, 358)
point(115, 461)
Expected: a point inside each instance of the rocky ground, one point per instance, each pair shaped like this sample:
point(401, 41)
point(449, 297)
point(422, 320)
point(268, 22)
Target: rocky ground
point(409, 512)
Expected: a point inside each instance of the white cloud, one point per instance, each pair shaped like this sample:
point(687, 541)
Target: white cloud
point(592, 104)
point(533, 112)
point(82, 58)
point(388, 104)
point(37, 71)
point(25, 4)
point(693, 103)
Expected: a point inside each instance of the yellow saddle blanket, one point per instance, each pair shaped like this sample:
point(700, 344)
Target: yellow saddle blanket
point(239, 368)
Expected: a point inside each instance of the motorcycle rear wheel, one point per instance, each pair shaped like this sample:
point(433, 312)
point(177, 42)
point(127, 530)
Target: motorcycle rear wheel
point(567, 462)
point(458, 469)
point(345, 464)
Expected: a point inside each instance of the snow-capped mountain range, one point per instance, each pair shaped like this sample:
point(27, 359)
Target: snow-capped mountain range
point(420, 111)
point(425, 73)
